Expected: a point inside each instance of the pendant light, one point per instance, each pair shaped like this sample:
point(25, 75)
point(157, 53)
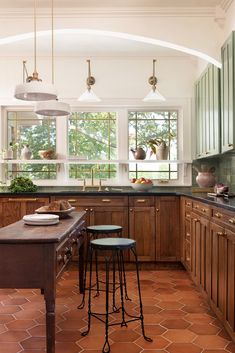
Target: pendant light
point(154, 95)
point(52, 107)
point(89, 95)
point(34, 89)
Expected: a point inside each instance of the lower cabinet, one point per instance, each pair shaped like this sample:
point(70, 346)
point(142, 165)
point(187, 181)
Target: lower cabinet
point(12, 209)
point(213, 257)
point(142, 229)
point(167, 228)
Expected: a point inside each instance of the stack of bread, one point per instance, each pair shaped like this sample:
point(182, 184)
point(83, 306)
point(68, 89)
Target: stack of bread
point(60, 207)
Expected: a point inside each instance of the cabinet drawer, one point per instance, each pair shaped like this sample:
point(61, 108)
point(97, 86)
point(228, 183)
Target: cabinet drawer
point(141, 201)
point(225, 217)
point(201, 208)
point(96, 200)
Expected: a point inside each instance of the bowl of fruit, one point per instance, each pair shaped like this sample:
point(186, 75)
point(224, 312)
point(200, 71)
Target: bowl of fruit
point(141, 184)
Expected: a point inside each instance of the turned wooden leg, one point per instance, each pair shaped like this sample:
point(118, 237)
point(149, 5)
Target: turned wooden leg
point(50, 325)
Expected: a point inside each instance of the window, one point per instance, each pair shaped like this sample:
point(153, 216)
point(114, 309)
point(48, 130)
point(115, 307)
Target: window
point(92, 135)
point(25, 128)
point(146, 125)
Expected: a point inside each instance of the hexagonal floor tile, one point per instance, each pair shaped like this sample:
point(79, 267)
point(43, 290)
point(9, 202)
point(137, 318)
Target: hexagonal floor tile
point(183, 348)
point(124, 335)
point(158, 342)
point(13, 336)
point(10, 347)
point(125, 347)
point(180, 336)
point(204, 329)
point(152, 330)
point(170, 305)
point(175, 324)
point(211, 342)
point(20, 324)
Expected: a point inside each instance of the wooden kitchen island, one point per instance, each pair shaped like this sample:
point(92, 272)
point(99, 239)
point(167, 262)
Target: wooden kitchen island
point(35, 256)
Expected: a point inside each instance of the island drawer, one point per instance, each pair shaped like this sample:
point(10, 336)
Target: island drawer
point(225, 217)
point(201, 208)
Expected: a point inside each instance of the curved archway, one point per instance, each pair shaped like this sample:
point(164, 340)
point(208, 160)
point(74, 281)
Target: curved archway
point(120, 35)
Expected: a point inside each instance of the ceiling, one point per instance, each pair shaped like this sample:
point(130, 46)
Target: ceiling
point(110, 3)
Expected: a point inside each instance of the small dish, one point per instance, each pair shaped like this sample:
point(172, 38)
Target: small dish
point(61, 214)
point(41, 219)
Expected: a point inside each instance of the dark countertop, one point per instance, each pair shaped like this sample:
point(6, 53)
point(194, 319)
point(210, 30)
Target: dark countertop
point(127, 191)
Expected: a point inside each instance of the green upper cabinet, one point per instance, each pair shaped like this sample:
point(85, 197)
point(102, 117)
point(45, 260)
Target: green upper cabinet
point(207, 110)
point(227, 95)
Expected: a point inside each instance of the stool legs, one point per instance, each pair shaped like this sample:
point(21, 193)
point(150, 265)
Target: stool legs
point(120, 270)
point(96, 275)
point(106, 346)
point(89, 297)
point(140, 298)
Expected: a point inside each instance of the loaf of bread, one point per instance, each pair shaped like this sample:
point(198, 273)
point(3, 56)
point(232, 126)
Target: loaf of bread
point(64, 205)
point(54, 206)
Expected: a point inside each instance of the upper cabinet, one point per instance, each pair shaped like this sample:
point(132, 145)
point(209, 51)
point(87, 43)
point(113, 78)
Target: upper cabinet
point(227, 95)
point(207, 108)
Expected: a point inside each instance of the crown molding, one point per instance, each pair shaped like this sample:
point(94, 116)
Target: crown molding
point(225, 4)
point(112, 12)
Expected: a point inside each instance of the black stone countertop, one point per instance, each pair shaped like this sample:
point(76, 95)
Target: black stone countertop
point(126, 191)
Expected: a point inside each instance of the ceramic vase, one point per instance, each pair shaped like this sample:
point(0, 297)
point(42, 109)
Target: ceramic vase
point(162, 152)
point(205, 179)
point(26, 153)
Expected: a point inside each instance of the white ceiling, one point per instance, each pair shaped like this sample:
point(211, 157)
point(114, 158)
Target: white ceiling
point(110, 3)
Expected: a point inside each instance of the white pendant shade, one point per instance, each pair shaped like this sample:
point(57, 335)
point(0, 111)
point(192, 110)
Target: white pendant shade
point(88, 96)
point(35, 91)
point(52, 108)
point(154, 96)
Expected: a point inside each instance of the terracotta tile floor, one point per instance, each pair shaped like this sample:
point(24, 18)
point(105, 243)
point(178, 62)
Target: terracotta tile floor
point(176, 318)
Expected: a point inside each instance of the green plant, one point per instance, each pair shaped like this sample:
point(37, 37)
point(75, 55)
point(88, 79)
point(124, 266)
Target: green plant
point(159, 142)
point(22, 184)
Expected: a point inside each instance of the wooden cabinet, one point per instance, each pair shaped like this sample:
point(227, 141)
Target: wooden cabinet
point(167, 228)
point(12, 209)
point(142, 228)
point(207, 112)
point(185, 231)
point(228, 94)
point(102, 209)
point(212, 256)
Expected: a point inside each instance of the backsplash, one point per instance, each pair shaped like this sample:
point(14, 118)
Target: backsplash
point(225, 169)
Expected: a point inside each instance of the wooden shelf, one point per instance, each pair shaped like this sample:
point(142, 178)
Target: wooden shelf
point(86, 161)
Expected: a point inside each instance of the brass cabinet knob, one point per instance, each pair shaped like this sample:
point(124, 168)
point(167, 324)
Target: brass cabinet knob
point(86, 209)
point(157, 209)
point(188, 203)
point(131, 209)
point(196, 220)
point(91, 210)
point(218, 215)
point(232, 220)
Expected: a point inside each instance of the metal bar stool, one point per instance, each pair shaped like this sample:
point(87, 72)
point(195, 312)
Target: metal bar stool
point(94, 232)
point(113, 249)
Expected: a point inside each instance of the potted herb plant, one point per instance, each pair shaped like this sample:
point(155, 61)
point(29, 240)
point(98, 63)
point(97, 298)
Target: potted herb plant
point(159, 147)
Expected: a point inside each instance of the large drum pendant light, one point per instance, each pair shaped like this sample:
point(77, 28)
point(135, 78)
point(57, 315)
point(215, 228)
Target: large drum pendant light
point(154, 95)
point(34, 89)
point(52, 107)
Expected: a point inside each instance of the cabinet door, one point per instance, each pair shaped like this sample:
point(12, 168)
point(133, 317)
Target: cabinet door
point(12, 209)
point(219, 268)
point(167, 228)
point(142, 229)
point(110, 215)
point(196, 248)
point(227, 95)
point(207, 111)
point(230, 285)
point(205, 255)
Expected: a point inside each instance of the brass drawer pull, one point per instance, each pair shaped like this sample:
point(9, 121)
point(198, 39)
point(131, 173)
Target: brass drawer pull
point(157, 209)
point(140, 201)
point(204, 210)
point(196, 206)
point(106, 200)
point(232, 220)
point(23, 200)
point(187, 215)
point(196, 220)
point(221, 234)
point(72, 200)
point(188, 234)
point(188, 203)
point(218, 215)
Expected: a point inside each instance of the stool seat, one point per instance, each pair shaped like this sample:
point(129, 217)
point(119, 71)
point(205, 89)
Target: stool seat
point(104, 229)
point(113, 243)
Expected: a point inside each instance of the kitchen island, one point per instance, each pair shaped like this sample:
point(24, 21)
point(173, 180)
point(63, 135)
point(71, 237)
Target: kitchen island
point(35, 256)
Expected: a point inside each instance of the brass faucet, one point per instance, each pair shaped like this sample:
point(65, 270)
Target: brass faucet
point(94, 169)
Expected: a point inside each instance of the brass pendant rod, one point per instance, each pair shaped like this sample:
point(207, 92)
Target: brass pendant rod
point(52, 43)
point(35, 37)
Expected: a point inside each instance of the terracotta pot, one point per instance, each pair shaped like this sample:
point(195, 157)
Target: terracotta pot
point(205, 179)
